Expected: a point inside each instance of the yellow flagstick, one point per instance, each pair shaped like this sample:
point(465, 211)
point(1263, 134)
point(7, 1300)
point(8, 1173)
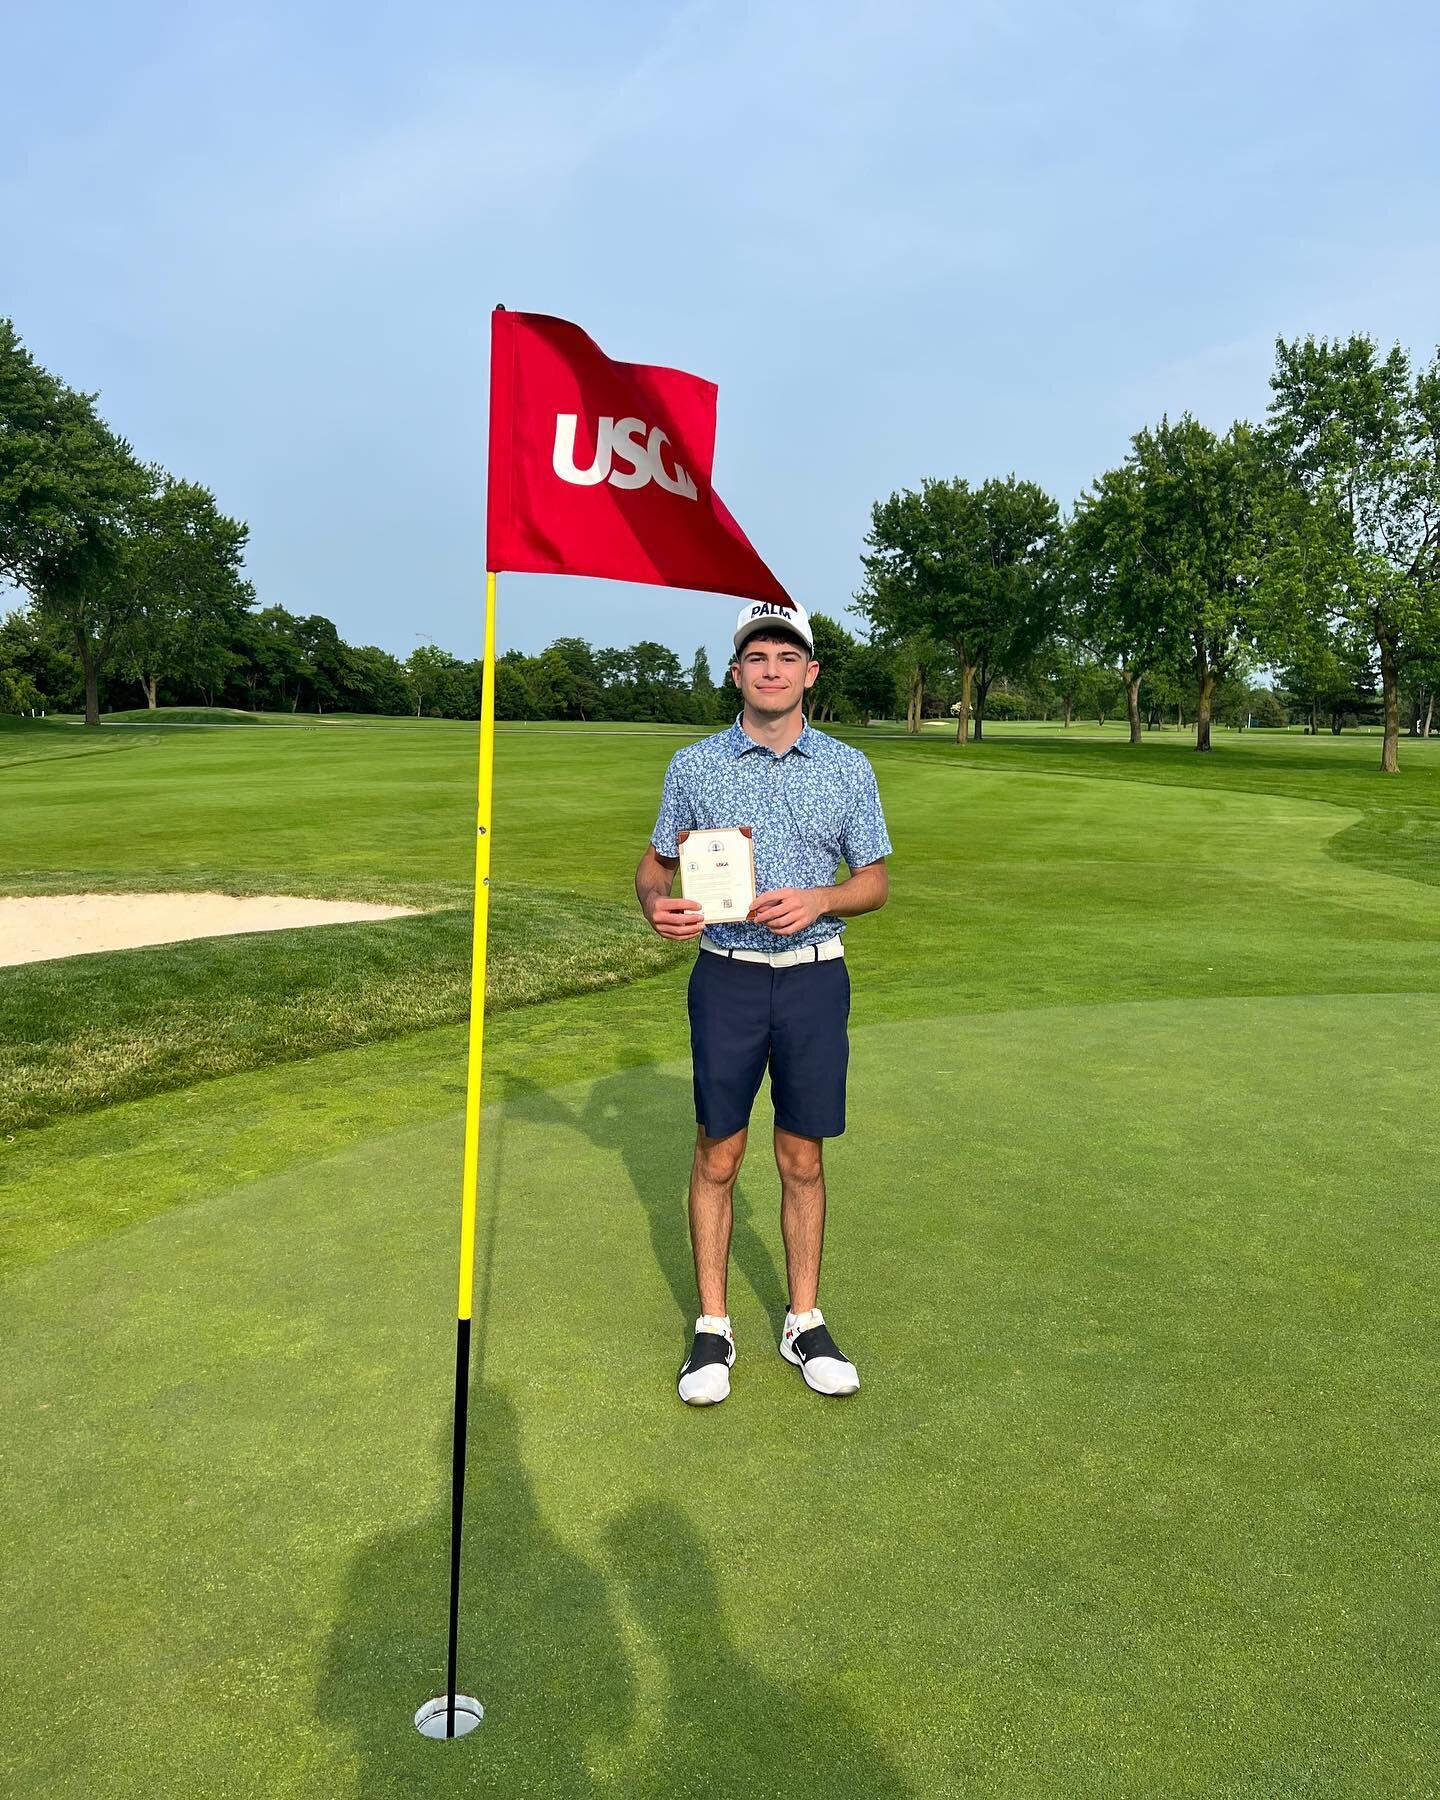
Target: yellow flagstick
point(480, 930)
point(471, 1168)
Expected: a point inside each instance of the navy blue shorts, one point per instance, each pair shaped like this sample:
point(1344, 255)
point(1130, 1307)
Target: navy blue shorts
point(745, 1017)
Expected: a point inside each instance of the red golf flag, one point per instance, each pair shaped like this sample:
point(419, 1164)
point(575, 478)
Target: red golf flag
point(603, 468)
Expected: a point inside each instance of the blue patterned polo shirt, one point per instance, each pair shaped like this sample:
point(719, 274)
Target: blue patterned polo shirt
point(810, 810)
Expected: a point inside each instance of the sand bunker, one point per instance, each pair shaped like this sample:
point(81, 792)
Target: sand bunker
point(35, 929)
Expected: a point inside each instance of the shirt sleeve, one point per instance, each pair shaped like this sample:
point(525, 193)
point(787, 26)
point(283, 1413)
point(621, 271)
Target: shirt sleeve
point(676, 815)
point(865, 839)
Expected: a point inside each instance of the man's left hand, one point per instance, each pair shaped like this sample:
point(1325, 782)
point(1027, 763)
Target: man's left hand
point(788, 910)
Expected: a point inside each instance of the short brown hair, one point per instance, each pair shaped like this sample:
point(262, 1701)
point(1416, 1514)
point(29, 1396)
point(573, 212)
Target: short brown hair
point(773, 635)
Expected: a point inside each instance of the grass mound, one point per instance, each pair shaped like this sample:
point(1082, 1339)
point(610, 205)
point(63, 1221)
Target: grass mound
point(182, 715)
point(85, 1031)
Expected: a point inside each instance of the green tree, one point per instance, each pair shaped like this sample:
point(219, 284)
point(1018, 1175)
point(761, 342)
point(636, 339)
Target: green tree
point(273, 666)
point(1057, 675)
point(39, 654)
point(705, 697)
point(923, 575)
point(973, 569)
point(1115, 606)
point(541, 673)
point(553, 685)
point(1241, 704)
point(513, 699)
point(180, 561)
point(1022, 545)
point(432, 675)
point(1007, 702)
point(659, 682)
point(834, 647)
point(377, 682)
point(871, 682)
point(1267, 709)
point(326, 660)
point(19, 691)
point(1163, 691)
point(644, 681)
point(1328, 673)
point(1201, 534)
point(68, 490)
point(581, 686)
point(1101, 690)
point(917, 657)
point(1422, 680)
point(1361, 435)
point(611, 671)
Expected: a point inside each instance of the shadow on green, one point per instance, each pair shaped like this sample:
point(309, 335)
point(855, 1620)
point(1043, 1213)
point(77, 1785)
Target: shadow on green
point(544, 1646)
point(645, 1116)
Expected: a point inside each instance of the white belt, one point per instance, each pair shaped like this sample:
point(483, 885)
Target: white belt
point(782, 959)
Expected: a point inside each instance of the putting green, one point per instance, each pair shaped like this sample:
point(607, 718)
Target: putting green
point(1135, 1499)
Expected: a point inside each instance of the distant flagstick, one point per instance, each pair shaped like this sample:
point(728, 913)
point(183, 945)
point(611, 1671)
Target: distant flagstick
point(459, 1712)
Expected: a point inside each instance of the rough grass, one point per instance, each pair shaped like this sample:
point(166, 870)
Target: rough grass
point(25, 741)
point(85, 1031)
point(1396, 840)
point(273, 813)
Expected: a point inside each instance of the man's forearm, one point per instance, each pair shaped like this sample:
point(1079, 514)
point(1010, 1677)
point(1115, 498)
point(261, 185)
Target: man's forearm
point(653, 879)
point(678, 920)
point(865, 890)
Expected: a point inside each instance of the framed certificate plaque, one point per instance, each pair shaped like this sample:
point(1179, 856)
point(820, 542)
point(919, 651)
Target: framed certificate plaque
point(717, 868)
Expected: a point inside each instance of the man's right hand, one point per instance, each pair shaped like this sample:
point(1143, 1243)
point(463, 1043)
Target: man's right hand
point(674, 918)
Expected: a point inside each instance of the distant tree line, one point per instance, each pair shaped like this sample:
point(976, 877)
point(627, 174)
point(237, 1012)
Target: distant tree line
point(274, 660)
point(1309, 547)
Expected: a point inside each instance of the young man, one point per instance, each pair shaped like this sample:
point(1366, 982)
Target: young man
point(772, 990)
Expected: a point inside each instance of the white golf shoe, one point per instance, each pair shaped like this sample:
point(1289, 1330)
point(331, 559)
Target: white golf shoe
point(705, 1374)
point(806, 1342)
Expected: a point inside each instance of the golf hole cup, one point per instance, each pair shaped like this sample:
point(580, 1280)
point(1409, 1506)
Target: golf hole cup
point(430, 1721)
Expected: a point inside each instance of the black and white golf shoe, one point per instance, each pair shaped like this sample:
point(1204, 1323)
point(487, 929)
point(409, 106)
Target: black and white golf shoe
point(705, 1374)
point(806, 1342)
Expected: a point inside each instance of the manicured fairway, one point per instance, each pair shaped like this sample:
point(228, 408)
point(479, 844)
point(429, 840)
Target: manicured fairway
point(1133, 1237)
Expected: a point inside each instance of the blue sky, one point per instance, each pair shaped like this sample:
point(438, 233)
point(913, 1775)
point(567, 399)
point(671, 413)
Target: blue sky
point(907, 239)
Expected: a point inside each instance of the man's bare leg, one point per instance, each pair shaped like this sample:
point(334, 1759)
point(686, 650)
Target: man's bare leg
point(712, 1196)
point(825, 1365)
point(802, 1213)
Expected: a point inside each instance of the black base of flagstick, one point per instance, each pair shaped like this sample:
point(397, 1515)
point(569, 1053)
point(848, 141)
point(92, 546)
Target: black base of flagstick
point(450, 1714)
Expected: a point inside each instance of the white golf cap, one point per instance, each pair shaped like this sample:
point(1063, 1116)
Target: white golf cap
point(765, 615)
